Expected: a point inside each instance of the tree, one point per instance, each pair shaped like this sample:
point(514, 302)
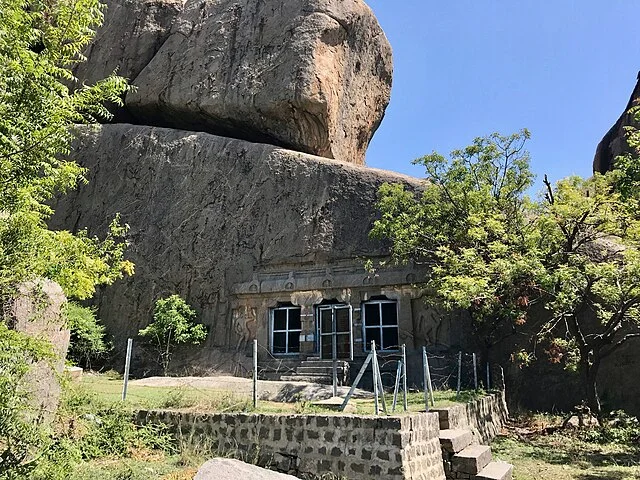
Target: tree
point(495, 253)
point(40, 41)
point(87, 334)
point(591, 248)
point(471, 224)
point(172, 325)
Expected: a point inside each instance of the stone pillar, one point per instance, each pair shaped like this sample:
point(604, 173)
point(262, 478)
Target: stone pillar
point(308, 334)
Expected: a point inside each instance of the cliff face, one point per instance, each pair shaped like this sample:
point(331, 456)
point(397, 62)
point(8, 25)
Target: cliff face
point(614, 142)
point(208, 212)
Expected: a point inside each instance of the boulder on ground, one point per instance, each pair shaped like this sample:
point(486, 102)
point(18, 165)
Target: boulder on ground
point(230, 469)
point(310, 75)
point(580, 421)
point(37, 311)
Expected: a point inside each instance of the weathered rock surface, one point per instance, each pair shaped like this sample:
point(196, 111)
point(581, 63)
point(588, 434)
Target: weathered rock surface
point(132, 33)
point(207, 212)
point(614, 142)
point(37, 312)
point(310, 75)
point(230, 469)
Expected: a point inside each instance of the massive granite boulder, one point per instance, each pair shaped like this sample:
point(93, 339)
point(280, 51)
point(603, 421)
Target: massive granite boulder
point(209, 212)
point(132, 33)
point(614, 142)
point(309, 75)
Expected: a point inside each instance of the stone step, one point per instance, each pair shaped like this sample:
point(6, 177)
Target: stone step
point(274, 376)
point(472, 459)
point(496, 471)
point(305, 370)
point(321, 379)
point(323, 363)
point(454, 441)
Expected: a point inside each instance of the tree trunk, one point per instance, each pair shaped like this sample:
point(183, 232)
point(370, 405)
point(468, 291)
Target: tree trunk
point(591, 386)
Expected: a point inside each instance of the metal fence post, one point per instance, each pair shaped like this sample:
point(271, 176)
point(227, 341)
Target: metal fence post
point(396, 386)
point(459, 374)
point(334, 352)
point(255, 373)
point(357, 381)
point(488, 377)
point(127, 365)
point(374, 366)
point(404, 375)
point(425, 379)
point(381, 387)
point(426, 360)
point(475, 373)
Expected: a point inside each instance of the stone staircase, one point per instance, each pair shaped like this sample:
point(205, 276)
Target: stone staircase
point(463, 460)
point(315, 370)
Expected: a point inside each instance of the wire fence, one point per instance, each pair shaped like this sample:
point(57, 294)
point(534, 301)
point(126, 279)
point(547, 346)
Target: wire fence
point(388, 371)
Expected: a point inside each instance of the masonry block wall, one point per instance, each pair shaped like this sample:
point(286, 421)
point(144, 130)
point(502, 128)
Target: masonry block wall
point(484, 417)
point(356, 447)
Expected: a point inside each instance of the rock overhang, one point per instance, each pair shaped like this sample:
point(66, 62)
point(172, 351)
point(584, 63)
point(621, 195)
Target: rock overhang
point(309, 75)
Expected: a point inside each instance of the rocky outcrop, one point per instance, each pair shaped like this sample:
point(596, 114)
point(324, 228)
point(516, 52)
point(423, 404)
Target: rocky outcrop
point(614, 142)
point(208, 212)
point(310, 75)
point(132, 33)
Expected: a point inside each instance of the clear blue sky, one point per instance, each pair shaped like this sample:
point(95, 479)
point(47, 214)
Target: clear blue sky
point(564, 69)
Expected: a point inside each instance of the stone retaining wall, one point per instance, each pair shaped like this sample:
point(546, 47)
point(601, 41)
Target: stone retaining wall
point(484, 417)
point(353, 447)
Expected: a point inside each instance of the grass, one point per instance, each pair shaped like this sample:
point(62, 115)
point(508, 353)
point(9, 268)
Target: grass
point(154, 466)
point(416, 403)
point(564, 456)
point(108, 389)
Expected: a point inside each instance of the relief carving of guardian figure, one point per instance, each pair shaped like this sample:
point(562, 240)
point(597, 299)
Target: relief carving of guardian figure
point(245, 325)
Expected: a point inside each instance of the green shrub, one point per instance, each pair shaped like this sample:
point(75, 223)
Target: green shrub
point(57, 461)
point(111, 432)
point(173, 324)
point(25, 440)
point(113, 375)
point(87, 334)
point(176, 399)
point(618, 427)
point(76, 399)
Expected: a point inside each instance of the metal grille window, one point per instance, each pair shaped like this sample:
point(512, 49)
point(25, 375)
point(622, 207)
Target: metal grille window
point(381, 324)
point(335, 331)
point(285, 330)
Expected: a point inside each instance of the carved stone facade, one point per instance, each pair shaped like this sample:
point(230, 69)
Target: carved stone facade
point(313, 294)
